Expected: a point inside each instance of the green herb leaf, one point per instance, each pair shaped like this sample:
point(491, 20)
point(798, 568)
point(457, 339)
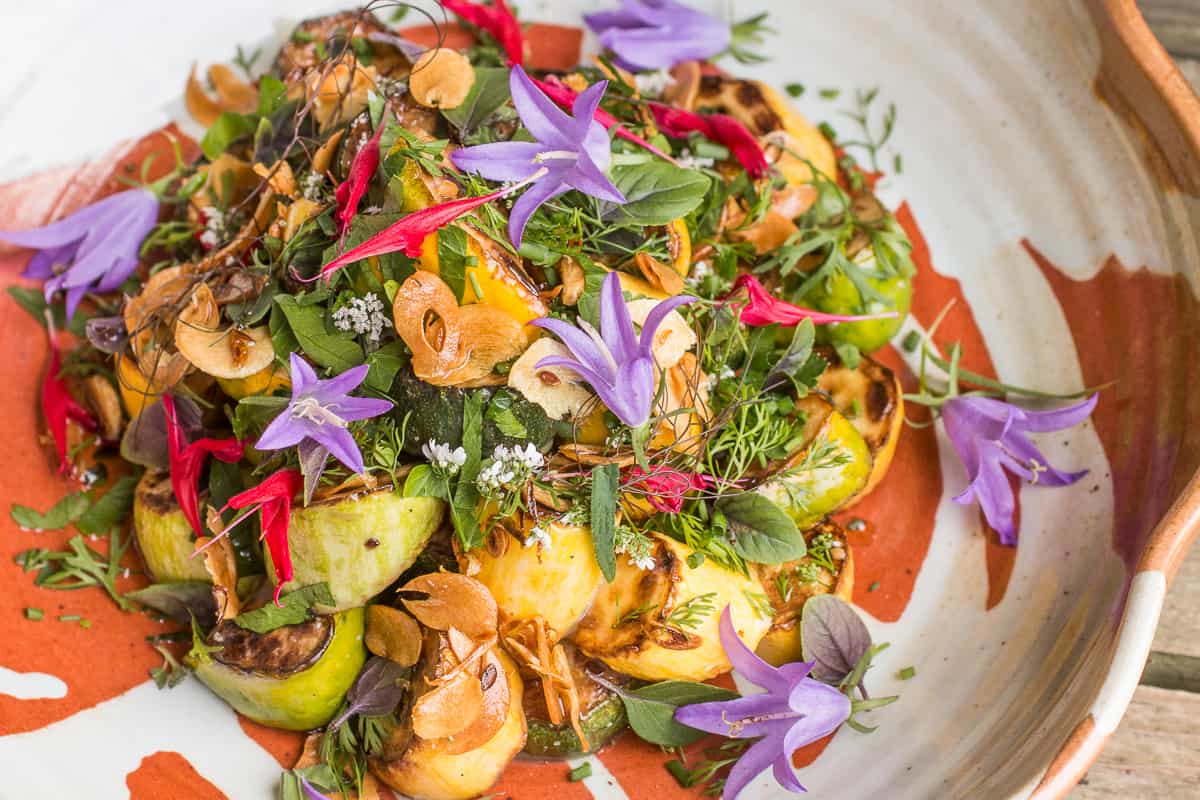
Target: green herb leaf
point(296, 608)
point(761, 531)
point(228, 128)
point(60, 515)
point(464, 509)
point(797, 365)
point(179, 600)
point(383, 364)
point(651, 710)
point(110, 509)
point(795, 89)
point(907, 674)
point(657, 192)
point(604, 523)
point(453, 259)
point(488, 93)
point(849, 354)
point(35, 614)
point(424, 481)
point(307, 323)
point(580, 773)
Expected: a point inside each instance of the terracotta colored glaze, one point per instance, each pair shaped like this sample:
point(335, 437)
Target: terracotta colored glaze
point(285, 746)
point(1136, 323)
point(931, 294)
point(167, 775)
point(899, 514)
point(547, 46)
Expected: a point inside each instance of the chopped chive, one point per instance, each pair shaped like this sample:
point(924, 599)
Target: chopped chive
point(898, 164)
point(874, 587)
point(85, 623)
point(827, 131)
point(911, 341)
point(475, 287)
point(830, 94)
point(680, 773)
point(69, 618)
point(795, 89)
point(584, 770)
point(34, 614)
point(907, 673)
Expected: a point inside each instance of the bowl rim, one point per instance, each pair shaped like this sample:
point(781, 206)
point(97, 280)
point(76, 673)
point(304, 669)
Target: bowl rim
point(1145, 85)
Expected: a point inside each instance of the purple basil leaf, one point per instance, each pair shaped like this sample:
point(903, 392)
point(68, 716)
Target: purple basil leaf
point(833, 637)
point(107, 334)
point(145, 440)
point(377, 690)
point(180, 601)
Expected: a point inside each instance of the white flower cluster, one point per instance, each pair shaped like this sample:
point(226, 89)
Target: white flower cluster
point(214, 227)
point(645, 562)
point(689, 161)
point(312, 186)
point(363, 315)
point(441, 457)
point(653, 84)
point(509, 466)
point(539, 535)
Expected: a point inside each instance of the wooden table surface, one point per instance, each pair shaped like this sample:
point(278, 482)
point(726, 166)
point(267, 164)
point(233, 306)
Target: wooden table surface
point(1156, 751)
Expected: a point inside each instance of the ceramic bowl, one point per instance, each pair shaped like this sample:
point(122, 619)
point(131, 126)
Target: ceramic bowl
point(1049, 178)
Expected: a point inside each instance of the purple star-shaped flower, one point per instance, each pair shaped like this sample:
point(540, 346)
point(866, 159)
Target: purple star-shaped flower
point(658, 34)
point(93, 250)
point(317, 417)
point(570, 152)
point(615, 361)
point(795, 710)
point(990, 437)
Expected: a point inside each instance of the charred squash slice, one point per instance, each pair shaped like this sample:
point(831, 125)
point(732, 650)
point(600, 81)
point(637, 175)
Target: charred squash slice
point(294, 677)
point(164, 538)
point(827, 569)
point(871, 398)
point(359, 545)
point(640, 624)
point(556, 583)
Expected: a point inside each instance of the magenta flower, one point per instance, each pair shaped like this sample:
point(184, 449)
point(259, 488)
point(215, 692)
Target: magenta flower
point(570, 152)
point(990, 437)
point(93, 250)
point(618, 365)
point(795, 710)
point(317, 417)
point(658, 34)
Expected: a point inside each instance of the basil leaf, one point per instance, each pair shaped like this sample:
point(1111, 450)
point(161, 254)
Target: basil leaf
point(761, 531)
point(59, 516)
point(228, 128)
point(384, 363)
point(179, 601)
point(604, 510)
point(833, 637)
point(656, 193)
point(798, 364)
point(377, 690)
point(464, 508)
point(307, 322)
point(110, 509)
point(651, 710)
point(453, 259)
point(423, 481)
point(294, 608)
point(489, 92)
point(271, 95)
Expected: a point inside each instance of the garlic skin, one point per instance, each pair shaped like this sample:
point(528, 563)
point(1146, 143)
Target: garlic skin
point(673, 338)
point(558, 390)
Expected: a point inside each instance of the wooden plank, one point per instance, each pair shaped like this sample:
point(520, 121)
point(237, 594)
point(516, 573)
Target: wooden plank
point(1176, 23)
point(1155, 753)
point(1180, 622)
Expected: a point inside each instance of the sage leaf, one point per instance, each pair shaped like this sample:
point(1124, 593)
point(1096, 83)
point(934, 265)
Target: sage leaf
point(295, 607)
point(833, 637)
point(307, 322)
point(464, 508)
point(489, 92)
point(110, 509)
point(604, 510)
point(656, 192)
point(761, 531)
point(651, 710)
point(179, 601)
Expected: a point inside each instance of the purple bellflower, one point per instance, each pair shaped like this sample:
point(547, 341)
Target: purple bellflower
point(317, 417)
point(615, 361)
point(795, 710)
point(658, 34)
point(310, 791)
point(989, 436)
point(93, 250)
point(570, 152)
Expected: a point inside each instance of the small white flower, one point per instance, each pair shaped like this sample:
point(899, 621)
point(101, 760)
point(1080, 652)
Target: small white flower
point(362, 315)
point(441, 457)
point(653, 84)
point(311, 186)
point(539, 535)
point(689, 161)
point(645, 563)
point(214, 227)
